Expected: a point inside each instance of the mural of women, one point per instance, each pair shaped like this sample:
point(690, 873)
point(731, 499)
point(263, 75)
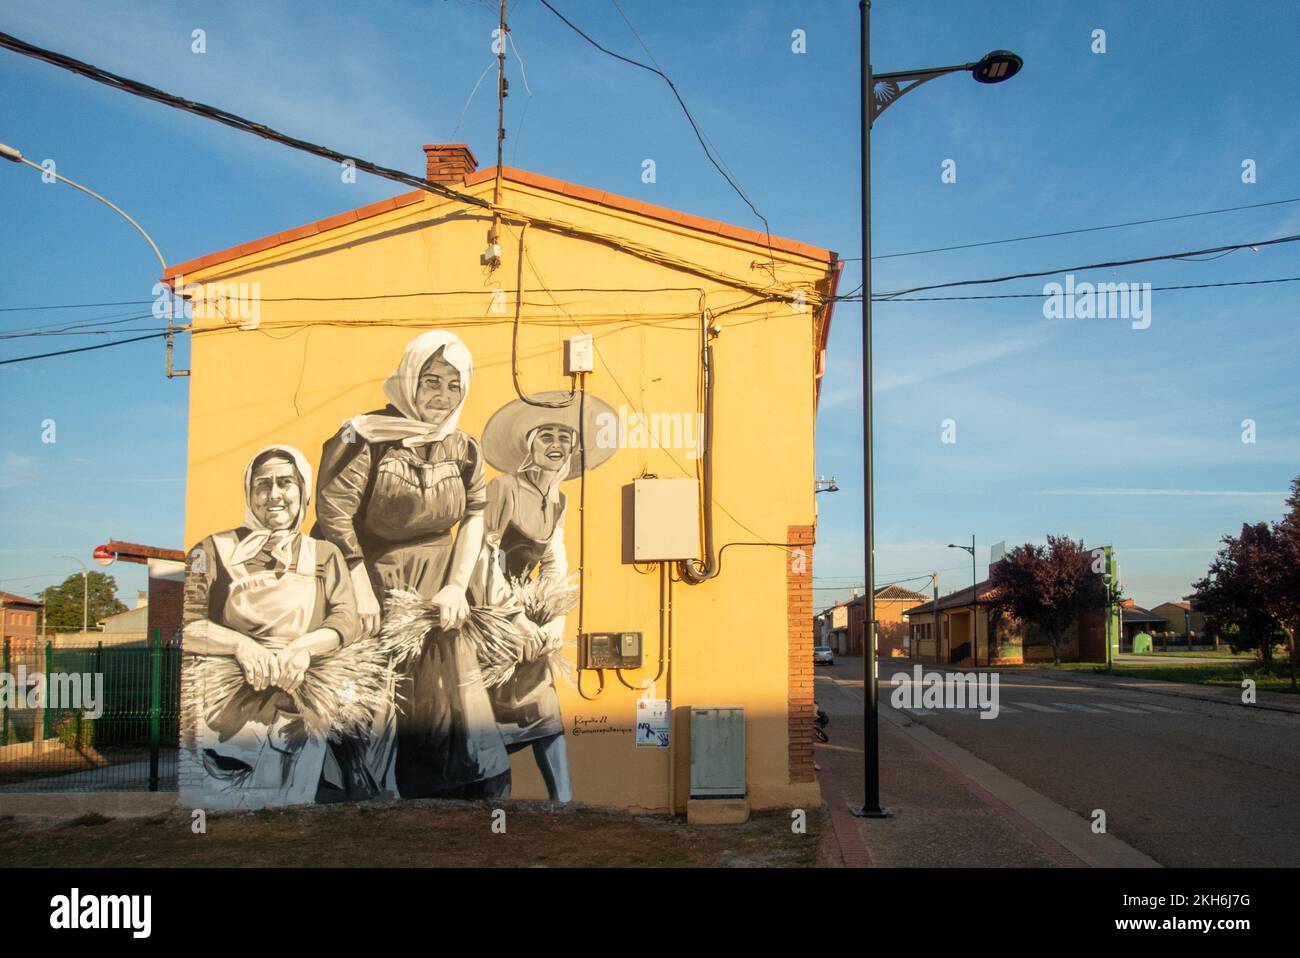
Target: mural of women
point(402, 495)
point(273, 599)
point(536, 448)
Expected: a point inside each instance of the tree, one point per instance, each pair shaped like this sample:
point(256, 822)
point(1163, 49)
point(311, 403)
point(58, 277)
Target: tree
point(63, 602)
point(1232, 593)
point(1047, 586)
point(1253, 584)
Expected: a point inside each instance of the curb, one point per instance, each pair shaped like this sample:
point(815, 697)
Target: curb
point(1179, 690)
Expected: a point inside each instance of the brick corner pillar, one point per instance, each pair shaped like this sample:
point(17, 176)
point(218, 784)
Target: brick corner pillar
point(799, 631)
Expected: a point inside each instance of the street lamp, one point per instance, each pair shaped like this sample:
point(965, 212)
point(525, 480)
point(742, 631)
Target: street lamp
point(85, 589)
point(877, 93)
point(825, 485)
point(975, 605)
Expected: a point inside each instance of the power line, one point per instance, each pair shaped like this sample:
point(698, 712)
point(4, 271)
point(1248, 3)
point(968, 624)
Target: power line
point(1107, 265)
point(682, 103)
point(944, 299)
point(139, 89)
point(84, 349)
point(1073, 232)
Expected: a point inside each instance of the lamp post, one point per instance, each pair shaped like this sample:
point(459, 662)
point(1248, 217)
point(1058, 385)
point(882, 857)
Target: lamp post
point(974, 606)
point(85, 589)
point(992, 68)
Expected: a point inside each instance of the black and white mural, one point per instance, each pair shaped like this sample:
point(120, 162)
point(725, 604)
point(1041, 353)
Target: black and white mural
point(414, 639)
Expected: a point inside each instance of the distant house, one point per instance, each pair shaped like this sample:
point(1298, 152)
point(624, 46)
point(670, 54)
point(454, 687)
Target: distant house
point(1134, 620)
point(949, 642)
point(841, 626)
point(20, 617)
point(132, 620)
point(1180, 618)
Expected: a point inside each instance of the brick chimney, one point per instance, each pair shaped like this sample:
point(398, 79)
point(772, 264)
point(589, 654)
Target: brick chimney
point(449, 163)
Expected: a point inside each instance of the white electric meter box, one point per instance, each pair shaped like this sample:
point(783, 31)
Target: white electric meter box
point(717, 751)
point(665, 520)
point(579, 355)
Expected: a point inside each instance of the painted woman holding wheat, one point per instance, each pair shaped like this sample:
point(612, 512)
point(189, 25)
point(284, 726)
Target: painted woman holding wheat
point(273, 600)
point(402, 495)
point(536, 447)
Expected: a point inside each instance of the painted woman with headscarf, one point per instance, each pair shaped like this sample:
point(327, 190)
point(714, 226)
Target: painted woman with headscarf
point(274, 599)
point(536, 447)
point(402, 495)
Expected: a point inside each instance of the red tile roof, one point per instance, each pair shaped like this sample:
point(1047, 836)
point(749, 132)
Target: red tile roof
point(599, 197)
point(9, 598)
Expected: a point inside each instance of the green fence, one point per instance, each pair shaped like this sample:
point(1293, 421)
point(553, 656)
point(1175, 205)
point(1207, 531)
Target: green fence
point(108, 719)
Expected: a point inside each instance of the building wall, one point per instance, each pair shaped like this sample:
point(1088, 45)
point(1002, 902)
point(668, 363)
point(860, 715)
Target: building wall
point(731, 640)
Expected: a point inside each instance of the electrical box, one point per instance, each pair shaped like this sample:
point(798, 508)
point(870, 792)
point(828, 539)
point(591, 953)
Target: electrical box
point(579, 355)
point(665, 520)
point(609, 650)
point(717, 751)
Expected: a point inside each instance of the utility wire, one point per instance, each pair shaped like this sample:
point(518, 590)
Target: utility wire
point(946, 299)
point(139, 89)
point(682, 103)
point(83, 349)
point(1073, 232)
point(1107, 265)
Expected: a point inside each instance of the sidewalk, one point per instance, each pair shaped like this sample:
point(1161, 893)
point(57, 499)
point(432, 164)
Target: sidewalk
point(950, 809)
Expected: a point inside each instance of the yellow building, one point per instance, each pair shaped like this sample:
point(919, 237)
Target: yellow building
point(296, 333)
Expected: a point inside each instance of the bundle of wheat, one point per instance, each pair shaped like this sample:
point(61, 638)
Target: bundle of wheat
point(544, 600)
point(490, 631)
point(339, 694)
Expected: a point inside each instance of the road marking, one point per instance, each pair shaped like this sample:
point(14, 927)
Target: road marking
point(1161, 708)
point(920, 711)
point(1040, 708)
point(1079, 708)
point(1118, 708)
point(1008, 708)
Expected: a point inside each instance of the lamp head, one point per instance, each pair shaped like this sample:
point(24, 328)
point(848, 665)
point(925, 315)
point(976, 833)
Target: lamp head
point(996, 66)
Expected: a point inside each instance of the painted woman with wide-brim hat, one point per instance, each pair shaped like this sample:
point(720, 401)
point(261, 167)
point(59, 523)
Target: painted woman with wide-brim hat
point(536, 447)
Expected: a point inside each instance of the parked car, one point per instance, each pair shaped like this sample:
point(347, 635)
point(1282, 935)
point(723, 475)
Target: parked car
point(822, 655)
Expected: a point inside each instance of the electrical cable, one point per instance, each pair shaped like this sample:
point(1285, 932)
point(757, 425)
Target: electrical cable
point(682, 103)
point(1154, 289)
point(1106, 265)
point(1072, 232)
point(136, 88)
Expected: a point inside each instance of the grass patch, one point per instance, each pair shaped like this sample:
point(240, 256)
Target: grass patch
point(1227, 674)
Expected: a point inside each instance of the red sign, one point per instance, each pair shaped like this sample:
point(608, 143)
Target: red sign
point(104, 555)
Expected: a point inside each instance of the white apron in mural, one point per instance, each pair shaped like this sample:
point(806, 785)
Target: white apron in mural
point(257, 751)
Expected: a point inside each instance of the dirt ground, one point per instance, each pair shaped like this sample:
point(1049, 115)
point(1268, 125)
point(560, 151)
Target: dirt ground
point(419, 834)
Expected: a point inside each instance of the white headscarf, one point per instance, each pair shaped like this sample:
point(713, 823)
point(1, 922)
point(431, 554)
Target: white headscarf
point(282, 540)
point(401, 386)
point(554, 475)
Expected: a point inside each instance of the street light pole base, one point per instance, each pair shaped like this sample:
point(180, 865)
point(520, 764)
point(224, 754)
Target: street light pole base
point(861, 811)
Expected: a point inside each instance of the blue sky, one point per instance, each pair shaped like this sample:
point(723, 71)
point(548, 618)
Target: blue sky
point(1085, 427)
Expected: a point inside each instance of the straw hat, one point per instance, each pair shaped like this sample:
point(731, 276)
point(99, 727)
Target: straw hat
point(504, 436)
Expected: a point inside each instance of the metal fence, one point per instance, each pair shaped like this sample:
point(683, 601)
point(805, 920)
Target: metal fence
point(89, 714)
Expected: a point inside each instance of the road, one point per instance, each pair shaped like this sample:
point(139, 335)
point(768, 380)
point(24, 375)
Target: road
point(1188, 782)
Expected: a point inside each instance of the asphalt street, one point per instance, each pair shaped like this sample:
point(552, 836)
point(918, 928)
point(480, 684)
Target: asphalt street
point(1188, 782)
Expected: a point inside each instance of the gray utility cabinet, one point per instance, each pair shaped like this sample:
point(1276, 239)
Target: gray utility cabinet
point(717, 751)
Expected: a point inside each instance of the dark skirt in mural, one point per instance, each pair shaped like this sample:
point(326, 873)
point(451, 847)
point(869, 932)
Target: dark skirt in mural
point(395, 507)
point(526, 706)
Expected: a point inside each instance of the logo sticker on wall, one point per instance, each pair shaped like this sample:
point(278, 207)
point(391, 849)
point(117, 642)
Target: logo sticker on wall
point(652, 723)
